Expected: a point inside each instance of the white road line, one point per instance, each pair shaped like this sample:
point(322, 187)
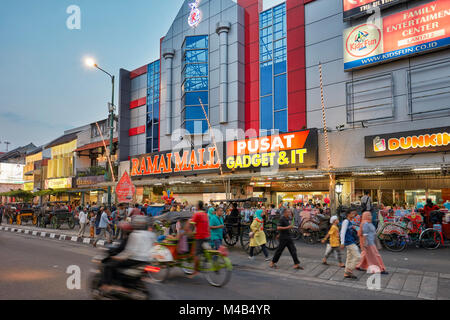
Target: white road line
point(75, 239)
point(52, 235)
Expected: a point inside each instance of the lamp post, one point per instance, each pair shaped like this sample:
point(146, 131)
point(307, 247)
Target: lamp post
point(338, 189)
point(91, 63)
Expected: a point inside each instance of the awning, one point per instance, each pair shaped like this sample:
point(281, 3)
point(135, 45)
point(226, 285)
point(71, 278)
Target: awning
point(95, 145)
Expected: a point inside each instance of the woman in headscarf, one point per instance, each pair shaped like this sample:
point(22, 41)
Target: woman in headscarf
point(258, 237)
point(370, 257)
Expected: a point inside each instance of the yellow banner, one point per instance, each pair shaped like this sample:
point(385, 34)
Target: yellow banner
point(63, 183)
point(29, 186)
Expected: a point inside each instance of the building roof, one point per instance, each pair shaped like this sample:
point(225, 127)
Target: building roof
point(63, 139)
point(17, 153)
point(95, 145)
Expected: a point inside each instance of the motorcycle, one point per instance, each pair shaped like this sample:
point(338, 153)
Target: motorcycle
point(133, 281)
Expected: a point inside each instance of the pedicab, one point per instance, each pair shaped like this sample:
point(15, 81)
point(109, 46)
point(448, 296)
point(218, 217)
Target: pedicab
point(169, 253)
point(409, 229)
point(55, 215)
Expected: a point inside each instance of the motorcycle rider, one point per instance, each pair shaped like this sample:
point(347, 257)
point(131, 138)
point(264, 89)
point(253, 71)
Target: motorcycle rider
point(136, 251)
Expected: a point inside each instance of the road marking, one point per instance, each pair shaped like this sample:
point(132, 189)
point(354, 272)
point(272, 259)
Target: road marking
point(327, 274)
point(34, 233)
point(62, 237)
point(43, 234)
point(27, 231)
point(74, 238)
point(87, 240)
point(101, 242)
point(52, 235)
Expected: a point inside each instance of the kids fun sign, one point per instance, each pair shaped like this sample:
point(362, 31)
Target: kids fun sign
point(295, 149)
point(410, 142)
point(406, 33)
point(357, 8)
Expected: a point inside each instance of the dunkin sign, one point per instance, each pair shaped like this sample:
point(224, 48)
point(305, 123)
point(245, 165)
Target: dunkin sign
point(410, 142)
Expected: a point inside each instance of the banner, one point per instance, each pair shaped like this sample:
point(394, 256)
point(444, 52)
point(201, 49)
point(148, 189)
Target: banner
point(290, 150)
point(11, 173)
point(62, 183)
point(358, 8)
point(402, 34)
point(125, 189)
point(409, 142)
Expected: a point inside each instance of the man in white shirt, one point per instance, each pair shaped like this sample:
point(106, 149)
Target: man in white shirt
point(82, 216)
point(136, 252)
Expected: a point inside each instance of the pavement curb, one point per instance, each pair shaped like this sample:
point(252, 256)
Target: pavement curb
point(54, 236)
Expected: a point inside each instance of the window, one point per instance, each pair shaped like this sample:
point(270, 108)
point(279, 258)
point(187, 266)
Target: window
point(195, 84)
point(153, 77)
point(273, 70)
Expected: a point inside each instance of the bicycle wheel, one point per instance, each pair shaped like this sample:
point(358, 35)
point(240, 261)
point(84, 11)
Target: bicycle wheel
point(231, 238)
point(394, 242)
point(430, 239)
point(272, 236)
point(295, 234)
point(217, 269)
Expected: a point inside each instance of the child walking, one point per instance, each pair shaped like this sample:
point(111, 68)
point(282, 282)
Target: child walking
point(334, 244)
point(92, 225)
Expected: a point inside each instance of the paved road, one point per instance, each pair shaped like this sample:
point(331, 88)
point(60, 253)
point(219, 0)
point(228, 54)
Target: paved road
point(35, 268)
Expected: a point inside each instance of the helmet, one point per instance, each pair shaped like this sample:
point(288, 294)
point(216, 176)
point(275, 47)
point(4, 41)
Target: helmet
point(139, 222)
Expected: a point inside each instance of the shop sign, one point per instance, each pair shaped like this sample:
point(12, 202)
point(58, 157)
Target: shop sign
point(358, 8)
point(410, 142)
point(28, 186)
point(183, 162)
point(290, 150)
point(195, 16)
point(402, 34)
point(125, 189)
point(88, 181)
point(62, 183)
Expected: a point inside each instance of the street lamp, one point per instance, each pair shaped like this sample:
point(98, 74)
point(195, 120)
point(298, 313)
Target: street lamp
point(338, 189)
point(92, 64)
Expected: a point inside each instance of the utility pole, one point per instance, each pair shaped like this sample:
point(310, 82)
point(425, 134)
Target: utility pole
point(7, 144)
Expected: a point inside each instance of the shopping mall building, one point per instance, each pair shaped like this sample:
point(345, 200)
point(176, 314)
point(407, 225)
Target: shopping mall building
point(233, 104)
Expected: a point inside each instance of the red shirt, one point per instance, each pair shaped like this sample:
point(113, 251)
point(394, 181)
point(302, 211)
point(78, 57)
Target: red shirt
point(201, 221)
point(136, 212)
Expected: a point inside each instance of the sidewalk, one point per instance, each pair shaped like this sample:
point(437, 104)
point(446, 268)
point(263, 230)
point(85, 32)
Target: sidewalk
point(57, 234)
point(405, 282)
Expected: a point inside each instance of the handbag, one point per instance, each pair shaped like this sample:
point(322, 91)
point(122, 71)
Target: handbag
point(378, 243)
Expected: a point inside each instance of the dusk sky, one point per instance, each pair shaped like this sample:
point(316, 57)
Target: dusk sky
point(44, 86)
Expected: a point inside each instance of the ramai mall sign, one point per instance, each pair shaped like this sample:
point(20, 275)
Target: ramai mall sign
point(410, 142)
point(182, 162)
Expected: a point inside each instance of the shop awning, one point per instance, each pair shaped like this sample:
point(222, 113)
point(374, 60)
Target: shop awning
point(95, 145)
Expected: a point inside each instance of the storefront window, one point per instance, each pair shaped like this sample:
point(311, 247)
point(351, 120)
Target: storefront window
point(195, 84)
point(273, 65)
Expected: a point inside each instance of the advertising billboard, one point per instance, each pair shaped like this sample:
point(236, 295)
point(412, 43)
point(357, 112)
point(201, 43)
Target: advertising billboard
point(11, 173)
point(409, 142)
point(358, 8)
point(290, 150)
point(414, 31)
point(60, 183)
